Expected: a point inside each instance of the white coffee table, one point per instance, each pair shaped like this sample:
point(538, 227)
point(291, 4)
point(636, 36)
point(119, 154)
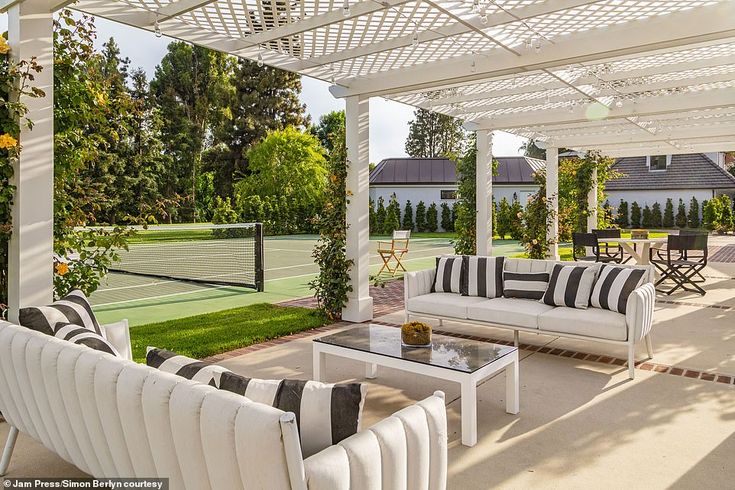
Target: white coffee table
point(464, 361)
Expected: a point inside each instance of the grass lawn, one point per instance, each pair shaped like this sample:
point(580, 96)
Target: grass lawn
point(205, 335)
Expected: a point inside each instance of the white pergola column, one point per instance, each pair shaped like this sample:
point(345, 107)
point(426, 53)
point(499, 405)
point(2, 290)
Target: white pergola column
point(484, 182)
point(592, 204)
point(357, 125)
point(30, 261)
point(552, 200)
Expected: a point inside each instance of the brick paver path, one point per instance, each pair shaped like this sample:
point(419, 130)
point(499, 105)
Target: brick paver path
point(724, 253)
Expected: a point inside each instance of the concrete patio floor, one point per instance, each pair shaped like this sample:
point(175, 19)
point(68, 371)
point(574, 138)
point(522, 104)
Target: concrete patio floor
point(582, 422)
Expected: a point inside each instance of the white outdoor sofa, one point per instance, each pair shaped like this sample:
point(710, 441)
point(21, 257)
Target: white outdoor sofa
point(526, 315)
point(111, 417)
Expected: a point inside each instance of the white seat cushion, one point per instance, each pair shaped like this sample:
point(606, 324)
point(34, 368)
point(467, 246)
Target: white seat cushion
point(515, 312)
point(442, 304)
point(592, 322)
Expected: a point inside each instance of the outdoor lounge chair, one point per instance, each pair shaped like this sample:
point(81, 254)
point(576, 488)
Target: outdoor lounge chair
point(683, 261)
point(394, 251)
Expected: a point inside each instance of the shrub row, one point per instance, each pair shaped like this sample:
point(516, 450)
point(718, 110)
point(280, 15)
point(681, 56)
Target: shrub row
point(717, 214)
point(384, 220)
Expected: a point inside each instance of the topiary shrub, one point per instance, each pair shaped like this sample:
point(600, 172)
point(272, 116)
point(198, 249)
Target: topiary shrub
point(656, 216)
point(421, 216)
point(693, 217)
point(432, 218)
point(392, 216)
point(380, 215)
point(505, 220)
point(646, 220)
point(681, 215)
point(669, 214)
point(408, 216)
point(623, 214)
point(446, 222)
point(635, 215)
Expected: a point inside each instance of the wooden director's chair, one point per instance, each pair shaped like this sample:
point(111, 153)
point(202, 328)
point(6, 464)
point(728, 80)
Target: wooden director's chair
point(394, 251)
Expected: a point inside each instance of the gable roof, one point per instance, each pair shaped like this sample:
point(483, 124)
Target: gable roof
point(692, 171)
point(438, 171)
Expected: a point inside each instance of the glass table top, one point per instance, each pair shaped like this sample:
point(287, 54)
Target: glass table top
point(458, 354)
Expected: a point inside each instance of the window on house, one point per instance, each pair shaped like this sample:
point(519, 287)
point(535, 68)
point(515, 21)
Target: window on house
point(657, 162)
point(449, 194)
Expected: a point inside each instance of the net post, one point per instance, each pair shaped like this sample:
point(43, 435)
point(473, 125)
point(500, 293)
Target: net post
point(259, 279)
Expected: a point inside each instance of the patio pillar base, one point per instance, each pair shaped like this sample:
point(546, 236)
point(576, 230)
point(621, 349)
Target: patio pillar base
point(358, 310)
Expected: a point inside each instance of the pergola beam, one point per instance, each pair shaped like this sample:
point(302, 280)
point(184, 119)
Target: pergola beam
point(179, 7)
point(653, 150)
point(673, 30)
point(714, 131)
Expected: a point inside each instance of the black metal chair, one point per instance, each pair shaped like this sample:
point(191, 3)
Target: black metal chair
point(613, 252)
point(683, 261)
point(583, 241)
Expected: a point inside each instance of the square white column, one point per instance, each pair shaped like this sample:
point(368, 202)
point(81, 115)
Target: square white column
point(30, 261)
point(357, 125)
point(552, 200)
point(592, 204)
point(484, 182)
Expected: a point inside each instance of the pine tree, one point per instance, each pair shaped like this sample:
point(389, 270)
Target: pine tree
point(656, 216)
point(380, 215)
point(693, 217)
point(432, 218)
point(447, 223)
point(432, 135)
point(646, 221)
point(392, 216)
point(421, 216)
point(371, 220)
point(635, 215)
point(622, 219)
point(408, 216)
point(681, 215)
point(669, 214)
point(516, 220)
point(505, 220)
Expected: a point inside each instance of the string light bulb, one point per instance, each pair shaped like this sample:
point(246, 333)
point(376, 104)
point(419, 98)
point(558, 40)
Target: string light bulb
point(619, 103)
point(346, 8)
point(415, 39)
point(260, 59)
point(537, 45)
point(483, 16)
point(157, 28)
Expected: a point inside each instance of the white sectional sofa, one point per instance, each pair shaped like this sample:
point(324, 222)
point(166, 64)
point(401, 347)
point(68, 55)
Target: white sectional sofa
point(111, 417)
point(526, 315)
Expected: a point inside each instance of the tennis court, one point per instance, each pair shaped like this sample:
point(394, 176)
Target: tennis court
point(288, 268)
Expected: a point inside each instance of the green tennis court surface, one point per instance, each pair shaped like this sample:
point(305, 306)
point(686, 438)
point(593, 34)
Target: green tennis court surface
point(288, 269)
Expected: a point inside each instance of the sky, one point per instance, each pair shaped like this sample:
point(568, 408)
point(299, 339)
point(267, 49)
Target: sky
point(388, 120)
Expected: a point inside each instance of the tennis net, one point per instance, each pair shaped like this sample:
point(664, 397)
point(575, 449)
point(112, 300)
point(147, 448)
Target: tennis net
point(229, 254)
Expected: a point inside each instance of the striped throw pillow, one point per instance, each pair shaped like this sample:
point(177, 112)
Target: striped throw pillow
point(570, 286)
point(73, 308)
point(613, 287)
point(484, 276)
point(449, 275)
point(83, 336)
point(325, 413)
point(527, 285)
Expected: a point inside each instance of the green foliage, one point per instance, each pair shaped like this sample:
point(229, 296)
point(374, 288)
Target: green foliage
point(505, 219)
point(455, 208)
point(623, 215)
point(712, 214)
point(446, 219)
point(407, 217)
point(726, 219)
point(223, 214)
point(380, 215)
point(421, 216)
point(635, 215)
point(432, 218)
point(681, 215)
point(693, 217)
point(606, 220)
point(333, 282)
point(371, 216)
point(668, 221)
point(329, 124)
point(392, 216)
point(432, 135)
point(516, 219)
point(647, 219)
point(656, 216)
point(465, 242)
point(536, 219)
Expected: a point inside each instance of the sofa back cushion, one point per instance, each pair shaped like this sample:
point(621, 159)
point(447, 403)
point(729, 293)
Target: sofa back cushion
point(571, 286)
point(449, 274)
point(82, 336)
point(325, 413)
point(527, 285)
point(72, 308)
point(614, 285)
point(483, 276)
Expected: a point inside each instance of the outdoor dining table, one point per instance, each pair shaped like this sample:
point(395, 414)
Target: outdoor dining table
point(638, 248)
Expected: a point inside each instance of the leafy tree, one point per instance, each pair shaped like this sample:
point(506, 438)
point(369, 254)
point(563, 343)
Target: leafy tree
point(646, 220)
point(623, 215)
point(380, 215)
point(421, 216)
point(432, 135)
point(392, 216)
point(693, 217)
point(408, 216)
point(669, 214)
point(712, 214)
point(329, 124)
point(371, 215)
point(432, 221)
point(635, 215)
point(505, 219)
point(656, 216)
point(446, 220)
point(681, 215)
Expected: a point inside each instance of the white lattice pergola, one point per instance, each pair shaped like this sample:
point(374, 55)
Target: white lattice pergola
point(626, 77)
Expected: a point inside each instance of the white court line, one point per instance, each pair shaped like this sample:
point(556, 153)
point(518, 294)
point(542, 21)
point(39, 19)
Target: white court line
point(149, 298)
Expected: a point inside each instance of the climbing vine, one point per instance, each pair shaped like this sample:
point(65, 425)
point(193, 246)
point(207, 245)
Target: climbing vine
point(15, 79)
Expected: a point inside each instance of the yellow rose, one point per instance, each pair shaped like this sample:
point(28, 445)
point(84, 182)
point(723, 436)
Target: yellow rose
point(4, 46)
point(7, 141)
point(62, 269)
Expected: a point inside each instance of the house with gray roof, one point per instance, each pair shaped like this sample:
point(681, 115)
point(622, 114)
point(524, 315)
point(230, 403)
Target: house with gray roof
point(434, 180)
point(650, 179)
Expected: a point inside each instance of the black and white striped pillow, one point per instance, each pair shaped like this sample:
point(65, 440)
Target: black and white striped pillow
point(325, 413)
point(570, 286)
point(614, 285)
point(73, 308)
point(449, 275)
point(484, 276)
point(83, 336)
point(526, 285)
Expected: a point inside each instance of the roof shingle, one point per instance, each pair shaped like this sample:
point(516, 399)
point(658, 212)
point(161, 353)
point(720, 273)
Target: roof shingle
point(692, 171)
point(407, 171)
